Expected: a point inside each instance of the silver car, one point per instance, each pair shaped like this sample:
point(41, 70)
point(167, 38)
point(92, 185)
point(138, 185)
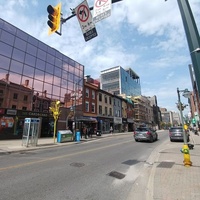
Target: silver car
point(176, 134)
point(145, 134)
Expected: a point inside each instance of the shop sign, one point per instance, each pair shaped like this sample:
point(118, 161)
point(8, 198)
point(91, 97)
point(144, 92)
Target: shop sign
point(117, 120)
point(11, 112)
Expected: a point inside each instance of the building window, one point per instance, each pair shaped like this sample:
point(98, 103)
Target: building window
point(93, 107)
point(110, 100)
point(24, 108)
point(100, 97)
point(105, 99)
point(25, 98)
point(86, 106)
point(45, 105)
point(37, 104)
point(100, 110)
point(87, 92)
point(15, 96)
point(110, 111)
point(106, 111)
point(14, 106)
point(93, 94)
point(1, 92)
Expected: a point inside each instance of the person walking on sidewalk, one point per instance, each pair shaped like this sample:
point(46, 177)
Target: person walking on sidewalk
point(111, 130)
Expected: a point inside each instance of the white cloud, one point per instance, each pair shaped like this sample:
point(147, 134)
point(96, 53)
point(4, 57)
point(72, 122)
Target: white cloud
point(147, 36)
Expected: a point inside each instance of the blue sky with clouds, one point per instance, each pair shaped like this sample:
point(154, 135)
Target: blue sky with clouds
point(147, 36)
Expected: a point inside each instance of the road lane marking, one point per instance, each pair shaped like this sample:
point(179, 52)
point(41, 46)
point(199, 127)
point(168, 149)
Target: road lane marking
point(59, 157)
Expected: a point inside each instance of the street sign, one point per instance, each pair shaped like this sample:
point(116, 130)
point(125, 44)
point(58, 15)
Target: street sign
point(84, 17)
point(101, 10)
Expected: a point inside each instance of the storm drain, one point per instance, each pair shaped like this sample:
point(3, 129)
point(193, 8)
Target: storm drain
point(117, 175)
point(130, 162)
point(77, 164)
point(166, 165)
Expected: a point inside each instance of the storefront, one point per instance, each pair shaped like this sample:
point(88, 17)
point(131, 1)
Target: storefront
point(12, 123)
point(104, 124)
point(117, 124)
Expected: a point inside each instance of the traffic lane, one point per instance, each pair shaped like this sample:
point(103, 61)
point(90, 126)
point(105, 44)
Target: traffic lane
point(42, 155)
point(39, 155)
point(68, 173)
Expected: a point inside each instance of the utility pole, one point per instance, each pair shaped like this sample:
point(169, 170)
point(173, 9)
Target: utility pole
point(193, 38)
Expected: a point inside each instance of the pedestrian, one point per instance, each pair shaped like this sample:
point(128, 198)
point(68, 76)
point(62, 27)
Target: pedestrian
point(111, 130)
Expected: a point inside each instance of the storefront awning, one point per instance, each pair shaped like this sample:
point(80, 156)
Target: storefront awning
point(86, 119)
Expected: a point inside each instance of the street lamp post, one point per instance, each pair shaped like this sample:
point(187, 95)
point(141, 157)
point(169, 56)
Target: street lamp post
point(76, 94)
point(185, 149)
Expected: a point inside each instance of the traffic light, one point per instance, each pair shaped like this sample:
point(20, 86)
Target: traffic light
point(193, 120)
point(54, 18)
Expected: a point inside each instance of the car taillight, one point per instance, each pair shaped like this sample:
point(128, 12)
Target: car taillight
point(170, 133)
point(134, 133)
point(148, 133)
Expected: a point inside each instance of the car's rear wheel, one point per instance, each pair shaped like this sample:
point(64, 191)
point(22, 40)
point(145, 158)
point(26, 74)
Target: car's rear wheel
point(151, 139)
point(136, 140)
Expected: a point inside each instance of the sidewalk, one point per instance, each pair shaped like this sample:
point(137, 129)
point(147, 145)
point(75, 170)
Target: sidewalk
point(172, 180)
point(11, 146)
point(166, 178)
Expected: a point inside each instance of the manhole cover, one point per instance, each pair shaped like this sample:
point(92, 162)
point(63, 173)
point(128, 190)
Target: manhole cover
point(166, 164)
point(77, 164)
point(116, 175)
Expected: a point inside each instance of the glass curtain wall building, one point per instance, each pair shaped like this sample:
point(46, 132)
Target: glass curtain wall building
point(32, 75)
point(117, 81)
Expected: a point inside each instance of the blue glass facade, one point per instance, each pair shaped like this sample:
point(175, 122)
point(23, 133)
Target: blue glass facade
point(129, 85)
point(116, 80)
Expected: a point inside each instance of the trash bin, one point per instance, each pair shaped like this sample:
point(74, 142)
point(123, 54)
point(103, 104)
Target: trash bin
point(64, 136)
point(77, 136)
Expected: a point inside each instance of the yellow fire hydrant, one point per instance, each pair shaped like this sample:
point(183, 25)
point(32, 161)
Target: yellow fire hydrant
point(186, 155)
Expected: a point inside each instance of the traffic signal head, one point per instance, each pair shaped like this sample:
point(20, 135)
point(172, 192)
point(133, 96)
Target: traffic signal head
point(54, 18)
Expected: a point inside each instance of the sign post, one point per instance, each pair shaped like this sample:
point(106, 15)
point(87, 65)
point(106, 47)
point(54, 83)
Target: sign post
point(84, 17)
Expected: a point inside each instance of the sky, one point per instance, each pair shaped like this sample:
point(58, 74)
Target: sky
point(146, 36)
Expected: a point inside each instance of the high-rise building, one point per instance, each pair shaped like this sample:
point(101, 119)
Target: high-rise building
point(117, 81)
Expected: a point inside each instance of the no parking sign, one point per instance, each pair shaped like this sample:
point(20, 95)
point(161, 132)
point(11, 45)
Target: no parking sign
point(84, 17)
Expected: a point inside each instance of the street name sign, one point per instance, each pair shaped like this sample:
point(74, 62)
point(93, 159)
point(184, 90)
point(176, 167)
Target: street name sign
point(101, 10)
point(84, 17)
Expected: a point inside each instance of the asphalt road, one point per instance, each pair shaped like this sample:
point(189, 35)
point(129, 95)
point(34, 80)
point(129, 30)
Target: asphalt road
point(104, 169)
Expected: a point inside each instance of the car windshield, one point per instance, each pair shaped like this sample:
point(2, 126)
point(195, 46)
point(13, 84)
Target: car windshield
point(142, 129)
point(176, 129)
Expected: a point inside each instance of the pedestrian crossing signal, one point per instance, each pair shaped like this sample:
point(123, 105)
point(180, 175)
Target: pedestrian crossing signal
point(54, 18)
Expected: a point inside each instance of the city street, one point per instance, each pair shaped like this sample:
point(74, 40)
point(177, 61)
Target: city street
point(100, 169)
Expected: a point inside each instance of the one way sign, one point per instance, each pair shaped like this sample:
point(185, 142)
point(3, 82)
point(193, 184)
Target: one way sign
point(84, 17)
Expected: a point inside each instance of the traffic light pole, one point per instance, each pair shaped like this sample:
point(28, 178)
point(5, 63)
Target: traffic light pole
point(73, 12)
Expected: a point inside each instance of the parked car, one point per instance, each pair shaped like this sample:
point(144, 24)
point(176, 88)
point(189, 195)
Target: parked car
point(145, 134)
point(176, 134)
